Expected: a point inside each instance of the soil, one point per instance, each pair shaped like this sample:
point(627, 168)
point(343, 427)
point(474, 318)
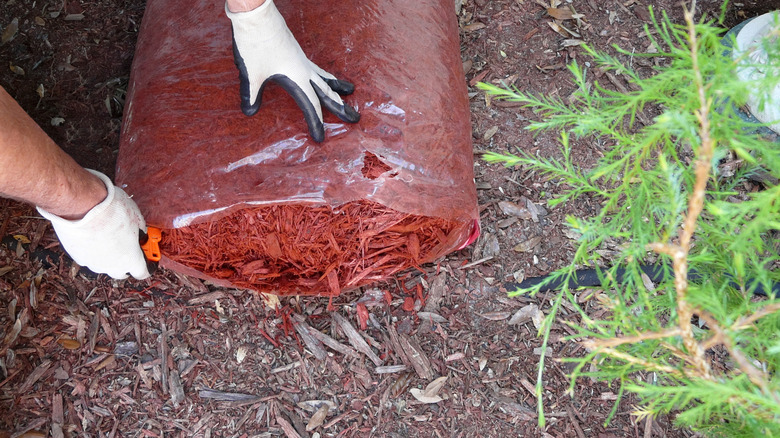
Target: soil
point(173, 356)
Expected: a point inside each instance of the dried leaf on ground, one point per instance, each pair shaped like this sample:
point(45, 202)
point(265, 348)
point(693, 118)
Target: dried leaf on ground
point(22, 239)
point(16, 69)
point(558, 28)
point(647, 282)
point(431, 392)
point(560, 13)
point(527, 313)
point(271, 301)
point(318, 418)
point(490, 133)
point(11, 336)
point(496, 316)
point(570, 42)
point(241, 354)
point(106, 363)
point(315, 405)
point(512, 209)
point(528, 245)
point(10, 31)
point(473, 27)
point(435, 387)
point(207, 298)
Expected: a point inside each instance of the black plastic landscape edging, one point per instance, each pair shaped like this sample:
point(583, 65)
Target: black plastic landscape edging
point(590, 278)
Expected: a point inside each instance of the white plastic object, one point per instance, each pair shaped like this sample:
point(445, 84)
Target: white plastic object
point(753, 60)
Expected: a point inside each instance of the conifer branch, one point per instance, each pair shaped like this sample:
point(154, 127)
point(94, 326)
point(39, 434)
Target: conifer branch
point(652, 329)
point(679, 253)
point(757, 376)
point(614, 342)
point(747, 322)
point(650, 366)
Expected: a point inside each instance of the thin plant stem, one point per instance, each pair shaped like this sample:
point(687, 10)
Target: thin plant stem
point(679, 252)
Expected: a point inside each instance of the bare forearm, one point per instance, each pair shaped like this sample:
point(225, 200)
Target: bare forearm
point(243, 5)
point(35, 170)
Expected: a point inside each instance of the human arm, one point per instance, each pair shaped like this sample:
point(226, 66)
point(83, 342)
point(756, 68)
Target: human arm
point(265, 50)
point(97, 223)
point(37, 171)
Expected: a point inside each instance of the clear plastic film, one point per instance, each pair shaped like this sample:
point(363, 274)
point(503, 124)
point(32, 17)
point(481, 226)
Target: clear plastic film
point(194, 163)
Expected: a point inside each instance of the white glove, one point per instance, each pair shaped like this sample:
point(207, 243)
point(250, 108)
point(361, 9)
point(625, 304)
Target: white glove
point(754, 66)
point(106, 239)
point(264, 49)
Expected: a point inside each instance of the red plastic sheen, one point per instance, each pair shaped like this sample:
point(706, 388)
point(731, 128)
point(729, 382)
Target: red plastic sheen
point(189, 155)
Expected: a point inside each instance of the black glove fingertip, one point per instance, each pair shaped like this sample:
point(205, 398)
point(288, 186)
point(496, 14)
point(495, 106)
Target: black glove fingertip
point(316, 128)
point(317, 132)
point(350, 115)
point(247, 107)
point(344, 112)
point(344, 88)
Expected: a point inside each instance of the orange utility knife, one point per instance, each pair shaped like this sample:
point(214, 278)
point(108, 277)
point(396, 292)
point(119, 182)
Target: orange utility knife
point(150, 244)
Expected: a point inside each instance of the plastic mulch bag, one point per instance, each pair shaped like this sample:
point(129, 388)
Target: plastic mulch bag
point(253, 202)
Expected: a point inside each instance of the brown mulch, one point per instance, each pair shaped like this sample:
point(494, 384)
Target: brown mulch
point(83, 355)
point(174, 356)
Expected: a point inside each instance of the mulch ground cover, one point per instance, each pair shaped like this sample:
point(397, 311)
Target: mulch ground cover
point(83, 355)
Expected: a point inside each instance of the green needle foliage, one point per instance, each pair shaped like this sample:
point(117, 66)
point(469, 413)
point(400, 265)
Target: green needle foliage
point(698, 343)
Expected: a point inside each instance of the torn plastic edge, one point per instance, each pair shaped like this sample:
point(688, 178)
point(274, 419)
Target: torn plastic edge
point(475, 230)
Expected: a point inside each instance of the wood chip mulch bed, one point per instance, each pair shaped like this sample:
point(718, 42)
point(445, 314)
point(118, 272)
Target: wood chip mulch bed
point(172, 356)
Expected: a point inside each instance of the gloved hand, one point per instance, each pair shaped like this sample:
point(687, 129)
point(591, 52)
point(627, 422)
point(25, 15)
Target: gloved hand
point(264, 49)
point(106, 239)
